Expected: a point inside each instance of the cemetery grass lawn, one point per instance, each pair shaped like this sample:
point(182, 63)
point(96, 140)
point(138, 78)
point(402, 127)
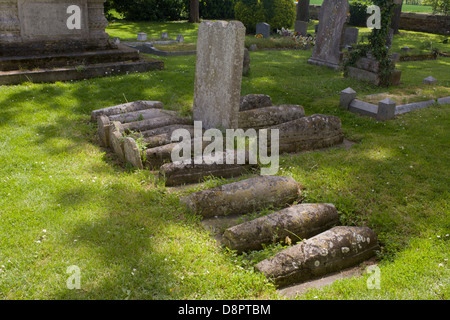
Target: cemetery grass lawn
point(65, 201)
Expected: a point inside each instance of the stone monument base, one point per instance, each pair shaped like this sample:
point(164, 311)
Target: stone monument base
point(367, 69)
point(319, 62)
point(68, 66)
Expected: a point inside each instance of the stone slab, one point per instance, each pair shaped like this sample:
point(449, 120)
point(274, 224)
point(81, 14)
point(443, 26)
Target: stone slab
point(263, 28)
point(142, 115)
point(269, 116)
point(132, 153)
point(332, 17)
point(254, 101)
point(188, 173)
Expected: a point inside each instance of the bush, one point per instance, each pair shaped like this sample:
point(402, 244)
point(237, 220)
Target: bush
point(149, 10)
point(278, 13)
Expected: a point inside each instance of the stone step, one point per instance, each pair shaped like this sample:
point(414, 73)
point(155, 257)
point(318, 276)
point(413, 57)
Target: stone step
point(79, 73)
point(330, 251)
point(66, 59)
point(244, 196)
point(297, 222)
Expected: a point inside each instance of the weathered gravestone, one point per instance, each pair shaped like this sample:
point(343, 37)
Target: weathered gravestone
point(350, 36)
point(263, 28)
point(332, 18)
point(218, 74)
point(302, 13)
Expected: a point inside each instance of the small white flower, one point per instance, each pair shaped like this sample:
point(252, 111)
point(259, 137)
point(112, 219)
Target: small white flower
point(44, 230)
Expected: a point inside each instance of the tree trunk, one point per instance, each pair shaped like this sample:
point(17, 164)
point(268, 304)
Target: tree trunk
point(194, 11)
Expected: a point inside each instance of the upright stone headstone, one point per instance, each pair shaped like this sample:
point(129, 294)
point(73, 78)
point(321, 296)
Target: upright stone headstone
point(164, 35)
point(218, 74)
point(332, 18)
point(263, 28)
point(301, 27)
point(180, 38)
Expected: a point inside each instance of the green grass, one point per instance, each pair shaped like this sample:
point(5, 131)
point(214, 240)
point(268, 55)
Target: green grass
point(132, 239)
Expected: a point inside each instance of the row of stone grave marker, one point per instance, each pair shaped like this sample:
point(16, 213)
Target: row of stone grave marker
point(320, 245)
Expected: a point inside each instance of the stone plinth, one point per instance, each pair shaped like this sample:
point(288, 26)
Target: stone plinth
point(41, 26)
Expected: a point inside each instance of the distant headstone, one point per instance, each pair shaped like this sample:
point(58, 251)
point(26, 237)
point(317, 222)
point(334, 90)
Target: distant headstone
point(429, 80)
point(253, 47)
point(218, 73)
point(180, 38)
point(316, 28)
point(164, 35)
point(116, 40)
point(332, 17)
point(141, 36)
point(263, 28)
point(390, 37)
point(350, 36)
point(301, 27)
